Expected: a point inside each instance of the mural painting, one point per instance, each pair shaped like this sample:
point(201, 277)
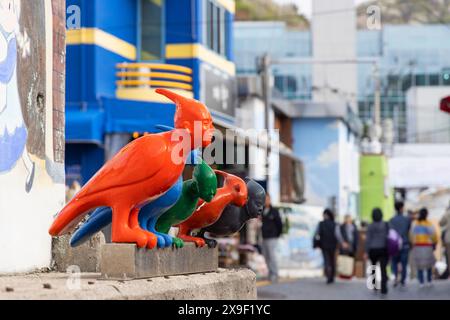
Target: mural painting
point(31, 132)
point(13, 130)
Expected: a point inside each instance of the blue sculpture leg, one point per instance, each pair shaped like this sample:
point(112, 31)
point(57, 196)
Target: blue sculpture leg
point(151, 226)
point(98, 219)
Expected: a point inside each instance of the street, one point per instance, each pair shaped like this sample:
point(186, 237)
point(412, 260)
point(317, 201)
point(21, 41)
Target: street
point(316, 289)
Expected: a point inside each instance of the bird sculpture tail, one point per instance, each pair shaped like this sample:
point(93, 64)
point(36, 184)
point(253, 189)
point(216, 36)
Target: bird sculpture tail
point(69, 217)
point(99, 219)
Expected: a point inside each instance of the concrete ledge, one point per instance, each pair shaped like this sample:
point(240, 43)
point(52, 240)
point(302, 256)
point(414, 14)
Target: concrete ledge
point(86, 256)
point(120, 261)
point(224, 284)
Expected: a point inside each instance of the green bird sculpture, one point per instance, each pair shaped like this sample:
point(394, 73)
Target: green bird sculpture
point(203, 185)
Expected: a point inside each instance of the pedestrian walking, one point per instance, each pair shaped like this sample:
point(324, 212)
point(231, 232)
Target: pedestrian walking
point(327, 241)
point(376, 246)
point(423, 239)
point(445, 228)
point(348, 236)
point(272, 227)
point(401, 224)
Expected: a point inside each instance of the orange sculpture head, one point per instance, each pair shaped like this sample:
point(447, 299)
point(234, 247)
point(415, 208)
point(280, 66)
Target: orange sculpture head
point(193, 116)
point(238, 187)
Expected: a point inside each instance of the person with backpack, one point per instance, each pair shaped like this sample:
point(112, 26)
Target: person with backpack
point(326, 239)
point(377, 246)
point(423, 238)
point(401, 224)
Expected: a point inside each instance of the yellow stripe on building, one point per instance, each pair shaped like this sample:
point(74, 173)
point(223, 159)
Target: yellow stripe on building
point(148, 94)
point(195, 50)
point(155, 66)
point(102, 39)
point(160, 75)
point(155, 83)
point(229, 5)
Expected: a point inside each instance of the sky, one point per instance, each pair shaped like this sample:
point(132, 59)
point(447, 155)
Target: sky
point(306, 5)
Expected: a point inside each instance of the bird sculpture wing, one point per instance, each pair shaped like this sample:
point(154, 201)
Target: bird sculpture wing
point(136, 162)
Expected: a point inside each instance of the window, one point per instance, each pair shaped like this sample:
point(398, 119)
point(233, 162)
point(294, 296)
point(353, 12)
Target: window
point(216, 26)
point(286, 85)
point(151, 30)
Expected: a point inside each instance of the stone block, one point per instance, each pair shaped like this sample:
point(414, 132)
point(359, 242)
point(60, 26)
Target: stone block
point(126, 261)
point(86, 256)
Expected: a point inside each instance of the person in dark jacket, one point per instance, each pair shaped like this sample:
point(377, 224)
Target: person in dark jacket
point(272, 227)
point(326, 233)
point(401, 224)
point(348, 236)
point(376, 246)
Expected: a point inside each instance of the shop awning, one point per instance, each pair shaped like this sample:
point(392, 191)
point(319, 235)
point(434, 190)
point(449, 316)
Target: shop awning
point(84, 126)
point(136, 116)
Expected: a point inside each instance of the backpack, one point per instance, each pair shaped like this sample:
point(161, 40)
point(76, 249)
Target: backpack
point(394, 241)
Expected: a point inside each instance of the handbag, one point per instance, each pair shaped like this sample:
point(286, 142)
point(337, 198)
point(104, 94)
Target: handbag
point(316, 239)
point(345, 266)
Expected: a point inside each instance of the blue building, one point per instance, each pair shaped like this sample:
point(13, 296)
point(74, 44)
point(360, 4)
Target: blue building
point(124, 50)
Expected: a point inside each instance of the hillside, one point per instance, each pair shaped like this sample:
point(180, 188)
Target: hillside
point(392, 12)
point(408, 11)
point(269, 10)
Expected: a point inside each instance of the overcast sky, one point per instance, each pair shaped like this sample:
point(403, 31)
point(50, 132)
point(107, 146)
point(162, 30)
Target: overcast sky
point(305, 5)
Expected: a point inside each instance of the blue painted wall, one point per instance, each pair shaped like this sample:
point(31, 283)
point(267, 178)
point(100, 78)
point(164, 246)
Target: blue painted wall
point(91, 107)
point(179, 26)
point(316, 141)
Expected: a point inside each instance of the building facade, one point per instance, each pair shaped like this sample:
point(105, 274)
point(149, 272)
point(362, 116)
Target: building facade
point(408, 55)
point(122, 51)
point(323, 124)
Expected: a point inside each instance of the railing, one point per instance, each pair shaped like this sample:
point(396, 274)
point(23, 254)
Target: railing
point(153, 75)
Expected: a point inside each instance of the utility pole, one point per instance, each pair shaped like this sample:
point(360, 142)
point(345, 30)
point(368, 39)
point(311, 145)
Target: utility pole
point(377, 96)
point(377, 106)
point(266, 92)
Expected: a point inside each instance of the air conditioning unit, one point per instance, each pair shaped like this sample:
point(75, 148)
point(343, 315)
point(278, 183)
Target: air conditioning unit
point(249, 85)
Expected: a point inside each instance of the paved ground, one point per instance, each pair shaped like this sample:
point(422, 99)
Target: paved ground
point(222, 285)
point(316, 289)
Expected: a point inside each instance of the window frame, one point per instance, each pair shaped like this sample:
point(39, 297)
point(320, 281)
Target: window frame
point(215, 30)
point(139, 33)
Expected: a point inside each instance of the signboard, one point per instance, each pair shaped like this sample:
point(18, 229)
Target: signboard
point(218, 91)
point(445, 104)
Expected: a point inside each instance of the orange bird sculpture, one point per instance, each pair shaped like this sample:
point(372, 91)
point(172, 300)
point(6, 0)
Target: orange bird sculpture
point(141, 172)
point(234, 191)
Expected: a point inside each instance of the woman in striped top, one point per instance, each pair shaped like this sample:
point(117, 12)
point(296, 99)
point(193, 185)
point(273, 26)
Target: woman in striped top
point(424, 239)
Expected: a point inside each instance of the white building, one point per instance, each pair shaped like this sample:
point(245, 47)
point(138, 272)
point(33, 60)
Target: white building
point(426, 123)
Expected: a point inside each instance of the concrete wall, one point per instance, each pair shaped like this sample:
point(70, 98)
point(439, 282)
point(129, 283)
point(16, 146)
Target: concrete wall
point(32, 61)
point(420, 165)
